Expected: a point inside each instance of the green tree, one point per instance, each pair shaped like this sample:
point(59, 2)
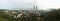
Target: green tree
point(53, 15)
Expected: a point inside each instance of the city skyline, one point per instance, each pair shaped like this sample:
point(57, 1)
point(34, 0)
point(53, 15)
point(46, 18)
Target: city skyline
point(28, 4)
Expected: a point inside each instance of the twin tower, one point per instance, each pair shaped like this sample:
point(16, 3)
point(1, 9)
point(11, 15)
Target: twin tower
point(35, 7)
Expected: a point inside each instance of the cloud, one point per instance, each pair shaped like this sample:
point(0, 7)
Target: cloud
point(16, 4)
point(24, 2)
point(20, 4)
point(3, 4)
point(45, 4)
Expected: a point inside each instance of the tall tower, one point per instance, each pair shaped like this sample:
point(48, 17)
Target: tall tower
point(35, 5)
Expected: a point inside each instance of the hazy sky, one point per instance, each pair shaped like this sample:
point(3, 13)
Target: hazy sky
point(28, 4)
point(46, 4)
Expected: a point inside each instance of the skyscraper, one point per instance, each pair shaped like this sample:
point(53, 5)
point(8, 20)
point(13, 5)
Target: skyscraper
point(35, 7)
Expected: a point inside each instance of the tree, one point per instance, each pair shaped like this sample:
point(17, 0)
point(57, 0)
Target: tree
point(53, 15)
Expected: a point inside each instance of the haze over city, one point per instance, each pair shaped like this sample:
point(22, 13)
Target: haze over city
point(29, 10)
point(28, 4)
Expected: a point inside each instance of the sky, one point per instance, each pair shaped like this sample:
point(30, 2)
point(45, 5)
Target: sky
point(21, 4)
point(48, 4)
point(28, 4)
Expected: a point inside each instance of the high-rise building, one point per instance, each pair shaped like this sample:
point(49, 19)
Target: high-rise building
point(35, 7)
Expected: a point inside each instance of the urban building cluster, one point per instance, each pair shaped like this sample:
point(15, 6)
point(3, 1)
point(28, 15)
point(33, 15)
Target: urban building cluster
point(18, 13)
point(27, 13)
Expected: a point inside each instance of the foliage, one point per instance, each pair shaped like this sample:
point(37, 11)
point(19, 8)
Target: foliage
point(5, 17)
point(53, 15)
